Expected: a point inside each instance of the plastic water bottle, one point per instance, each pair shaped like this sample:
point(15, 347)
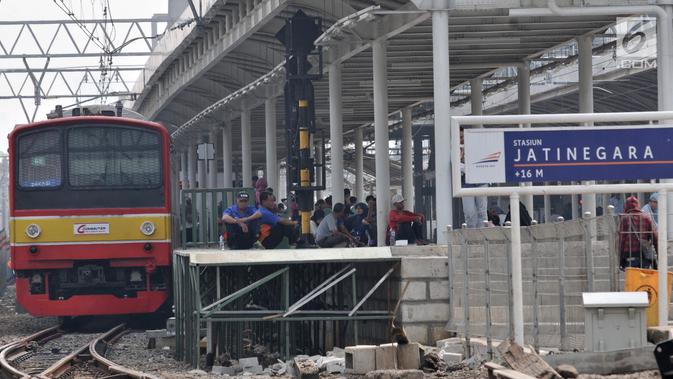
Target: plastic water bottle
point(392, 237)
point(221, 242)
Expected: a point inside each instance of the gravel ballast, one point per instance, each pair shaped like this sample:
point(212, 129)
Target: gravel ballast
point(14, 326)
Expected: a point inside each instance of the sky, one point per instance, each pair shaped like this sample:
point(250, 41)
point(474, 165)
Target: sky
point(11, 112)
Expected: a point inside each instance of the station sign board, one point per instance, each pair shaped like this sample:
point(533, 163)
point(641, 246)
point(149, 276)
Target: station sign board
point(568, 154)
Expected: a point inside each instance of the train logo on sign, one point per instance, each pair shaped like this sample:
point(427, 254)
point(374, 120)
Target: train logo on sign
point(83, 229)
point(491, 158)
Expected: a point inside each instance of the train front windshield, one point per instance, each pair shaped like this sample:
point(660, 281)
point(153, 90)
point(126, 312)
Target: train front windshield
point(89, 166)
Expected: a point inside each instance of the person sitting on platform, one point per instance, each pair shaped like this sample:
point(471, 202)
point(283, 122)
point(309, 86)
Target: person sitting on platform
point(358, 225)
point(407, 225)
point(316, 219)
point(331, 231)
point(273, 228)
point(240, 226)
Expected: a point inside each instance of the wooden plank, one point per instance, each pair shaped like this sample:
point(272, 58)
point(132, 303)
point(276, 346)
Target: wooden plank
point(511, 374)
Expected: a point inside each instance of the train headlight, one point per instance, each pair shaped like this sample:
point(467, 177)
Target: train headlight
point(33, 231)
point(147, 228)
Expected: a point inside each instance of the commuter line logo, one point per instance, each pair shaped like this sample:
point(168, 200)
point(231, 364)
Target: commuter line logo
point(81, 229)
point(491, 158)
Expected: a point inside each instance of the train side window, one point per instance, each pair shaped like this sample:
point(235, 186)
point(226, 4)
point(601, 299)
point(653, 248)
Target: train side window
point(40, 158)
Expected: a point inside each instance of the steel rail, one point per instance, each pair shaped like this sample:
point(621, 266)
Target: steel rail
point(15, 350)
point(98, 347)
point(91, 357)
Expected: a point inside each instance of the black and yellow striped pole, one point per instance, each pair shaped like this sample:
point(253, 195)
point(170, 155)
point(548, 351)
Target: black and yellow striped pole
point(298, 35)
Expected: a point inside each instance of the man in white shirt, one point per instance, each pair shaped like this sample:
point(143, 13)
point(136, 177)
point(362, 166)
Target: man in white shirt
point(652, 208)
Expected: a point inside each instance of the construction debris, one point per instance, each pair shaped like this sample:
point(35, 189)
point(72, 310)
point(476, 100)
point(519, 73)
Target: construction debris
point(306, 367)
point(433, 363)
point(567, 371)
point(395, 374)
point(526, 363)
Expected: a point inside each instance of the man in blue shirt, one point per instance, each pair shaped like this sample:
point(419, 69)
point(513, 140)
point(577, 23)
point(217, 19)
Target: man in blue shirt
point(273, 228)
point(240, 225)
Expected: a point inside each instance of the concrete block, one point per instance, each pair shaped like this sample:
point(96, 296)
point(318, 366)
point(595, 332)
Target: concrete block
point(416, 332)
point(439, 290)
point(386, 357)
point(248, 362)
point(451, 358)
point(395, 374)
point(424, 267)
point(224, 370)
point(255, 370)
point(428, 312)
point(336, 367)
point(337, 352)
point(360, 359)
point(409, 356)
point(656, 334)
point(415, 291)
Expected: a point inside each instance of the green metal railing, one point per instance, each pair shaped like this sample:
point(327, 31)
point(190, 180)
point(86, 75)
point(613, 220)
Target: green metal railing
point(201, 212)
point(291, 308)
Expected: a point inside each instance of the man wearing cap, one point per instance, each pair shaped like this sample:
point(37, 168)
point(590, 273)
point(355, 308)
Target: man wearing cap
point(407, 225)
point(651, 208)
point(240, 225)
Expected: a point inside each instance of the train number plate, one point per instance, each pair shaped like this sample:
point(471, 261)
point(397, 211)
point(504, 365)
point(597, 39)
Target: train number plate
point(81, 229)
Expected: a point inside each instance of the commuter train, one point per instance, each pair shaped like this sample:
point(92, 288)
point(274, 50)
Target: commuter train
point(90, 215)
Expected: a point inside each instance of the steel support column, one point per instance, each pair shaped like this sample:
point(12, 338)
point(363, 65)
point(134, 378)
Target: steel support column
point(407, 159)
point(318, 173)
point(212, 163)
point(359, 189)
point(523, 88)
point(184, 180)
point(665, 85)
point(336, 133)
point(586, 105)
point(227, 177)
point(271, 173)
point(476, 96)
point(246, 148)
point(191, 165)
point(442, 100)
point(665, 90)
point(380, 68)
point(202, 176)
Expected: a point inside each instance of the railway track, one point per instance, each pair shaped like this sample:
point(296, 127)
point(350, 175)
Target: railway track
point(56, 354)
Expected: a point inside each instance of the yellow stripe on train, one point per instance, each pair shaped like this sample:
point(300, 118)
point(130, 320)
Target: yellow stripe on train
point(90, 228)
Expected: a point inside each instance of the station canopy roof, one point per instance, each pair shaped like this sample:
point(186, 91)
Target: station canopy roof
point(200, 64)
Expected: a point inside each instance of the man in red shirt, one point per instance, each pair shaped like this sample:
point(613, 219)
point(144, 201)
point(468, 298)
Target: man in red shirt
point(636, 237)
point(407, 225)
